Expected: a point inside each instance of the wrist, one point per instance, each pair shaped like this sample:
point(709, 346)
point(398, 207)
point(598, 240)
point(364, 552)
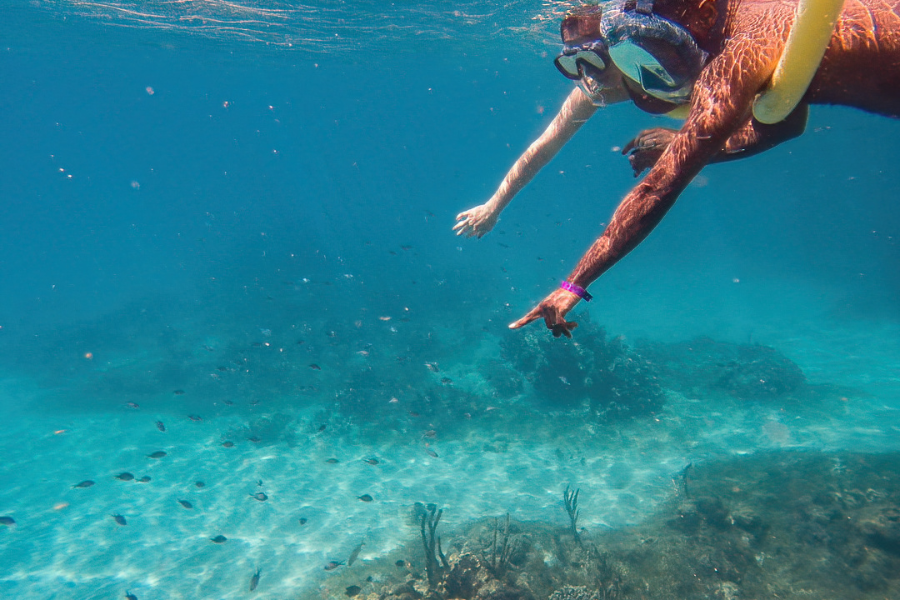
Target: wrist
point(577, 290)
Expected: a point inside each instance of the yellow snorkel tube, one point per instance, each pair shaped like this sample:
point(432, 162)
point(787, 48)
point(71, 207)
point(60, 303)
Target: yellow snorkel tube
point(809, 37)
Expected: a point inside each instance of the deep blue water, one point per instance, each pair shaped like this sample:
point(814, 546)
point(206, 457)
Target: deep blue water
point(169, 198)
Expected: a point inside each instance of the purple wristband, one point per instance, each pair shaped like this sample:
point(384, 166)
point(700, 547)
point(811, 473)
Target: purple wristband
point(577, 290)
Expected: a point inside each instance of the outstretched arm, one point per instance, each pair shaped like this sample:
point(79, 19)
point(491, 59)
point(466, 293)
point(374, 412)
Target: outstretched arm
point(721, 103)
point(575, 111)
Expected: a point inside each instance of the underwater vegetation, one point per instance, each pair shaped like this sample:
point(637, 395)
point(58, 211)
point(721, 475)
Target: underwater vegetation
point(616, 381)
point(796, 525)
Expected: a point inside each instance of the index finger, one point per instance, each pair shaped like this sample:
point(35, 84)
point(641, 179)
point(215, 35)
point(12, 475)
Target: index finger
point(533, 315)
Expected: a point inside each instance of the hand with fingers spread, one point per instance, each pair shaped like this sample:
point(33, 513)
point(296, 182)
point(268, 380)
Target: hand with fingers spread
point(553, 310)
point(477, 221)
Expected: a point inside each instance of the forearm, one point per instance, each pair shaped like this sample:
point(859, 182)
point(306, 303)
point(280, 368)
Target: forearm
point(576, 110)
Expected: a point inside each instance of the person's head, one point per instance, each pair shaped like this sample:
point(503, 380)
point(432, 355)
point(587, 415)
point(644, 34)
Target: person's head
point(659, 58)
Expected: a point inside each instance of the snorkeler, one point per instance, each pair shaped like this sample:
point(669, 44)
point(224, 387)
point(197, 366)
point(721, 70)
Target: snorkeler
point(706, 59)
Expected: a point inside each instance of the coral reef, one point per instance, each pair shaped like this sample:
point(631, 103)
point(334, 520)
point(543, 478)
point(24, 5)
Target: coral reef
point(614, 380)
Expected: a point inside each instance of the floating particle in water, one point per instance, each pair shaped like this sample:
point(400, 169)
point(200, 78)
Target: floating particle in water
point(254, 581)
point(7, 521)
point(84, 484)
point(219, 539)
point(228, 444)
point(304, 520)
point(352, 590)
point(371, 461)
point(157, 454)
point(315, 367)
point(332, 461)
point(366, 498)
point(186, 504)
point(132, 405)
point(195, 417)
point(130, 596)
point(119, 519)
point(144, 479)
point(433, 367)
point(199, 484)
point(126, 476)
point(259, 496)
point(393, 401)
point(178, 392)
point(332, 565)
point(160, 426)
point(255, 439)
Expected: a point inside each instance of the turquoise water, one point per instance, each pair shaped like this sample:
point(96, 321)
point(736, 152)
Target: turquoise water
point(202, 201)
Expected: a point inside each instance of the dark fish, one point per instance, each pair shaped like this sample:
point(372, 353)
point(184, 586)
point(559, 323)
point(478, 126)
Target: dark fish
point(315, 367)
point(355, 554)
point(195, 417)
point(200, 484)
point(186, 504)
point(119, 519)
point(431, 452)
point(446, 380)
point(400, 563)
point(332, 461)
point(219, 539)
point(7, 521)
point(227, 402)
point(84, 484)
point(178, 392)
point(332, 565)
point(353, 590)
point(405, 247)
point(366, 498)
point(322, 428)
point(160, 426)
point(254, 581)
point(254, 439)
point(157, 454)
point(125, 476)
point(130, 596)
point(430, 434)
point(259, 482)
point(303, 520)
point(371, 461)
point(132, 405)
point(259, 496)
point(144, 479)
point(228, 444)
point(222, 368)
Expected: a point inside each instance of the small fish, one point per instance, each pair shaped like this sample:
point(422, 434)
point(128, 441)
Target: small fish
point(255, 439)
point(366, 498)
point(332, 565)
point(84, 484)
point(433, 367)
point(228, 444)
point(199, 484)
point(431, 452)
point(315, 367)
point(195, 417)
point(355, 554)
point(303, 520)
point(186, 504)
point(130, 596)
point(400, 563)
point(430, 434)
point(371, 461)
point(144, 479)
point(132, 405)
point(219, 539)
point(178, 392)
point(322, 427)
point(160, 426)
point(227, 402)
point(352, 590)
point(7, 521)
point(254, 581)
point(446, 381)
point(126, 476)
point(119, 519)
point(157, 454)
point(221, 368)
point(259, 496)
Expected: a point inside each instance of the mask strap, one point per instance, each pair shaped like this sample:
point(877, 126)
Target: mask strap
point(645, 7)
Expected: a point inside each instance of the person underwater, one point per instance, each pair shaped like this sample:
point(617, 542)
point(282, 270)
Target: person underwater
point(710, 62)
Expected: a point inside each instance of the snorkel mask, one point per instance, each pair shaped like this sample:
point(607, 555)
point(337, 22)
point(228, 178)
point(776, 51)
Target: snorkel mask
point(657, 54)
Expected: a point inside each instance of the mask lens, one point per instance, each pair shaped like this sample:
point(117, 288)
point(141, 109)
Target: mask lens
point(568, 65)
point(572, 64)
